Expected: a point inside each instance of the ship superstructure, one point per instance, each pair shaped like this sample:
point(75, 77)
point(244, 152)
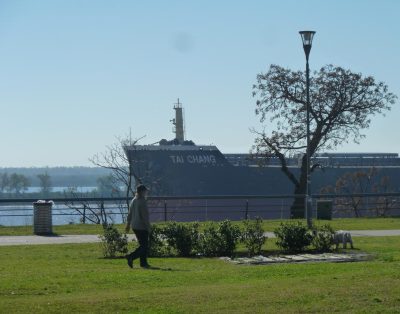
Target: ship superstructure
point(179, 123)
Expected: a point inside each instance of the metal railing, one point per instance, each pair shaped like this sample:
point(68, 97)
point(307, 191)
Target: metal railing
point(191, 208)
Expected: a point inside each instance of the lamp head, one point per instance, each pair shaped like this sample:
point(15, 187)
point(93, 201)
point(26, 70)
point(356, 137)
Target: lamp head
point(307, 38)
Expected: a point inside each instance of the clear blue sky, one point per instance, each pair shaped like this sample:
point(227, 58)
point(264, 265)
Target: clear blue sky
point(75, 74)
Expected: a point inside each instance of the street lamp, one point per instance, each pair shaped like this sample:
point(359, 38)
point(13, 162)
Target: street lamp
point(307, 38)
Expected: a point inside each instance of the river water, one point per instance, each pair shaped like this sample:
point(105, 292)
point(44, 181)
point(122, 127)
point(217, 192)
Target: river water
point(22, 215)
point(79, 189)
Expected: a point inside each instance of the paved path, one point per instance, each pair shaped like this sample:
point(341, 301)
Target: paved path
point(374, 233)
point(33, 239)
point(92, 238)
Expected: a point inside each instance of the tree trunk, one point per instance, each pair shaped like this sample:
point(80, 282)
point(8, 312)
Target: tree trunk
point(297, 210)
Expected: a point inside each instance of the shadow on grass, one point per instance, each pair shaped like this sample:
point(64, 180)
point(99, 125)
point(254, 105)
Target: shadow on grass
point(156, 268)
point(150, 268)
point(162, 269)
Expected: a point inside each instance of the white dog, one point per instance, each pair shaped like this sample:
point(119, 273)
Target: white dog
point(342, 237)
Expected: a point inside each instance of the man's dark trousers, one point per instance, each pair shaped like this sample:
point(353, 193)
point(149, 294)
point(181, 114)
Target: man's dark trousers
point(143, 238)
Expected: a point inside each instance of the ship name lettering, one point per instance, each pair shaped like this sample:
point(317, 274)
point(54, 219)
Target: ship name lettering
point(201, 159)
point(177, 159)
point(194, 159)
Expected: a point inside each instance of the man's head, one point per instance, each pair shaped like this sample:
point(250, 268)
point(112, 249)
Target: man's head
point(141, 189)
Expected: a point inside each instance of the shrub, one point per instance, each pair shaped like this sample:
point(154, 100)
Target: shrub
point(112, 241)
point(158, 247)
point(219, 239)
point(209, 240)
point(293, 236)
point(229, 236)
point(253, 236)
point(322, 238)
point(183, 237)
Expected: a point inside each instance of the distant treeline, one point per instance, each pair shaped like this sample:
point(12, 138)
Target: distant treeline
point(60, 176)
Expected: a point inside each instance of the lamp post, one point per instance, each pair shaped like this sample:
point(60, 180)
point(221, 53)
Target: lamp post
point(307, 37)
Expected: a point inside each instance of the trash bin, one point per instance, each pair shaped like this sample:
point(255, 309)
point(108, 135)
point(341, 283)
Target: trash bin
point(42, 217)
point(324, 209)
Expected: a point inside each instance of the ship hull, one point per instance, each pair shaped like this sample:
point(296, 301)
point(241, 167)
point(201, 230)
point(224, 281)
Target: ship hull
point(203, 170)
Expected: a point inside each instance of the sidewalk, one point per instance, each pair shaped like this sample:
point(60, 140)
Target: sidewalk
point(92, 238)
point(62, 239)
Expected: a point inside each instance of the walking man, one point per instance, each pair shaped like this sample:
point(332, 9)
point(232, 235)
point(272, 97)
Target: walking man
point(138, 220)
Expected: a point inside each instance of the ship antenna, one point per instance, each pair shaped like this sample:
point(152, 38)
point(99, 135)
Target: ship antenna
point(179, 129)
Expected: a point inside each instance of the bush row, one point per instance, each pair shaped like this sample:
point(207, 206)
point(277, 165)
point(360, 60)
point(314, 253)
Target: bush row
point(216, 238)
point(220, 238)
point(186, 239)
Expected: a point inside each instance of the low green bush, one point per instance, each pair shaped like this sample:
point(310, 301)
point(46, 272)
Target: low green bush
point(209, 240)
point(158, 246)
point(183, 237)
point(229, 235)
point(322, 238)
point(219, 239)
point(113, 242)
point(253, 236)
point(293, 236)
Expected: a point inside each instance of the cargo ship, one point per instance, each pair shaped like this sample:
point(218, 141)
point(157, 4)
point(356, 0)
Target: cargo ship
point(179, 167)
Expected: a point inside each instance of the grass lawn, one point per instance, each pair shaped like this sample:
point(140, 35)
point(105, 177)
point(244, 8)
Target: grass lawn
point(269, 225)
point(74, 278)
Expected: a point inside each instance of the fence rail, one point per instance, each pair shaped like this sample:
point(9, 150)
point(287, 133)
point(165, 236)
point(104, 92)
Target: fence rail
point(189, 208)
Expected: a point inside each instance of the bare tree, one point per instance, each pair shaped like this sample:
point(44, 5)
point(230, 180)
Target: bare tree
point(120, 179)
point(116, 160)
point(359, 182)
point(342, 104)
point(383, 203)
point(349, 187)
point(89, 211)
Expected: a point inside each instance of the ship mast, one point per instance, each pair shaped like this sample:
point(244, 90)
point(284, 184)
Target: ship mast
point(178, 122)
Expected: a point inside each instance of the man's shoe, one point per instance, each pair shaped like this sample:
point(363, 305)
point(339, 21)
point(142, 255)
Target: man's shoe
point(145, 266)
point(130, 261)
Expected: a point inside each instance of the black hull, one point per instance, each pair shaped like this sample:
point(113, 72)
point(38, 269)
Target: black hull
point(196, 171)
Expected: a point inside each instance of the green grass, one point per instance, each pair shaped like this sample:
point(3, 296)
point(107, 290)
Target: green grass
point(74, 278)
point(269, 225)
point(63, 229)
